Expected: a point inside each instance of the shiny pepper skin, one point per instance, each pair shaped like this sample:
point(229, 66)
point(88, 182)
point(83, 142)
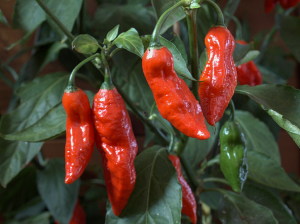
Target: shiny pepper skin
point(118, 146)
point(189, 205)
point(233, 155)
point(248, 73)
point(219, 77)
point(173, 98)
point(79, 134)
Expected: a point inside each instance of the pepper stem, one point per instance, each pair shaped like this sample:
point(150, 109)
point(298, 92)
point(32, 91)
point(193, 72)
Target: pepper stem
point(107, 84)
point(155, 35)
point(71, 87)
point(220, 21)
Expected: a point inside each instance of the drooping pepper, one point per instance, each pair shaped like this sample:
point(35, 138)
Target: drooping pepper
point(173, 98)
point(248, 73)
point(117, 144)
point(79, 133)
point(219, 77)
point(233, 155)
point(189, 205)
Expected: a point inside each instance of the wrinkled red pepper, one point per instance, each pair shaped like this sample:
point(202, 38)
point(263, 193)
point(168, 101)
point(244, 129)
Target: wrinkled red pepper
point(248, 73)
point(189, 205)
point(116, 142)
point(173, 98)
point(79, 133)
point(219, 77)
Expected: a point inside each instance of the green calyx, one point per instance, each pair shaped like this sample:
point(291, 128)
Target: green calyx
point(233, 161)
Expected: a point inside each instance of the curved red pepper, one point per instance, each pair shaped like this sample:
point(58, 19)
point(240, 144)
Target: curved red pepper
point(248, 73)
point(189, 205)
point(115, 137)
point(219, 78)
point(79, 134)
point(173, 98)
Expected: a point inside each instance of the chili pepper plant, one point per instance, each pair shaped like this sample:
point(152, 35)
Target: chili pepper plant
point(167, 112)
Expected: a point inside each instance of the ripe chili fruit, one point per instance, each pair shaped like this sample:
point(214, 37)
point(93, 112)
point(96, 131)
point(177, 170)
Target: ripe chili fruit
point(78, 216)
point(79, 133)
point(189, 205)
point(219, 77)
point(115, 138)
point(248, 73)
point(286, 4)
point(233, 155)
point(174, 100)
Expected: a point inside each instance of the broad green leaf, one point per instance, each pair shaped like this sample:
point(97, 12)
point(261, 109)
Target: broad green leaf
point(180, 46)
point(290, 33)
point(229, 10)
point(157, 195)
point(85, 44)
point(37, 98)
point(250, 56)
point(284, 100)
point(265, 171)
point(60, 198)
point(269, 76)
point(160, 6)
point(2, 18)
point(244, 53)
point(131, 41)
point(52, 52)
point(28, 15)
point(14, 156)
point(291, 129)
point(268, 199)
point(180, 65)
point(49, 126)
point(258, 137)
point(37, 219)
point(112, 34)
point(238, 209)
point(196, 150)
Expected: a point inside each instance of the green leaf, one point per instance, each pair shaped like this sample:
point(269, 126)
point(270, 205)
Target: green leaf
point(160, 6)
point(28, 15)
point(52, 52)
point(85, 44)
point(258, 137)
point(60, 198)
point(38, 219)
point(291, 129)
point(265, 171)
point(131, 41)
point(268, 199)
point(2, 18)
point(157, 195)
point(14, 156)
point(244, 53)
point(180, 65)
point(290, 33)
point(238, 209)
point(49, 126)
point(112, 34)
point(37, 98)
point(196, 150)
point(229, 10)
point(180, 46)
point(281, 99)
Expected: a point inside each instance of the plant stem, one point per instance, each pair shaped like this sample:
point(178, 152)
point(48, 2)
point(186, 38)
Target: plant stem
point(220, 20)
point(155, 35)
point(215, 179)
point(193, 45)
point(56, 20)
point(71, 83)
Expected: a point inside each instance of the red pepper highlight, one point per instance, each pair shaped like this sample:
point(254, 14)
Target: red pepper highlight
point(118, 146)
point(79, 134)
point(173, 98)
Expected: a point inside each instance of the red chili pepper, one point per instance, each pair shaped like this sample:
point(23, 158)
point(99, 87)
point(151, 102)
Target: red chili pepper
point(78, 216)
point(173, 98)
point(189, 205)
point(248, 73)
point(119, 147)
point(219, 78)
point(269, 5)
point(286, 4)
point(79, 133)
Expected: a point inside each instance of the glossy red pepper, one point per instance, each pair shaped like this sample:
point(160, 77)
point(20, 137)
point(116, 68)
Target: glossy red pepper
point(189, 205)
point(79, 133)
point(219, 77)
point(248, 73)
point(118, 146)
point(173, 98)
point(78, 216)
